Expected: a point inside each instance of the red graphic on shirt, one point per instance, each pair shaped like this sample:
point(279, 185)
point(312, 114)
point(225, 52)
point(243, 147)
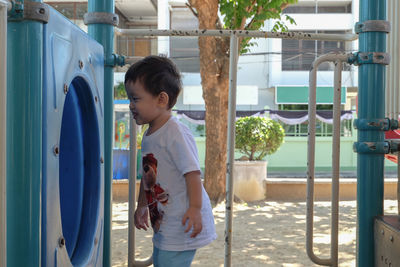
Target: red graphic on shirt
point(153, 190)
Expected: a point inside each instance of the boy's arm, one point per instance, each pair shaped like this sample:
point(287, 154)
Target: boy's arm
point(142, 201)
point(193, 216)
point(142, 211)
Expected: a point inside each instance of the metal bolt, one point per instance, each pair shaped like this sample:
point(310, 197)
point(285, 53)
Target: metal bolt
point(101, 160)
point(65, 88)
point(61, 242)
point(391, 238)
point(42, 11)
point(96, 99)
point(56, 150)
point(80, 64)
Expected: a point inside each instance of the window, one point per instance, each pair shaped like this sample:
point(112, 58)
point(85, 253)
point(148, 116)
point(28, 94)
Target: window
point(134, 46)
point(300, 54)
point(318, 9)
point(184, 51)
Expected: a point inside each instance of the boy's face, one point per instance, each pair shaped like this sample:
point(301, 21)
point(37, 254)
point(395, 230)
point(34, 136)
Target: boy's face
point(144, 106)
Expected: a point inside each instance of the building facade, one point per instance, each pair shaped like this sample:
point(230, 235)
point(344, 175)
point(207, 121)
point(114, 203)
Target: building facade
point(272, 76)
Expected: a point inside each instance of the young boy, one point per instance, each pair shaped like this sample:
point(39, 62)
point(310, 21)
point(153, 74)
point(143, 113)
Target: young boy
point(171, 188)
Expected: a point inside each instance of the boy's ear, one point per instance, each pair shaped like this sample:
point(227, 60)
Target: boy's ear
point(163, 99)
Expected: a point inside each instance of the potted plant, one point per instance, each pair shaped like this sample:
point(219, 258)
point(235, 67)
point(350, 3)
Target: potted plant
point(256, 137)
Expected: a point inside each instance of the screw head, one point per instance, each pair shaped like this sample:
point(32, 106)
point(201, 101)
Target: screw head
point(61, 242)
point(96, 99)
point(42, 11)
point(80, 64)
point(56, 150)
point(391, 238)
point(65, 88)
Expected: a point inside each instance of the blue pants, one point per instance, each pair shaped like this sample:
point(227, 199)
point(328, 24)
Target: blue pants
point(165, 258)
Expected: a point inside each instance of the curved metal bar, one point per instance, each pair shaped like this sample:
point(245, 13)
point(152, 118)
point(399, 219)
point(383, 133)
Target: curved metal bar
point(339, 58)
point(143, 263)
point(240, 33)
point(132, 197)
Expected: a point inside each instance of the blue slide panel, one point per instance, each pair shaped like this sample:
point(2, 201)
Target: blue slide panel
point(73, 146)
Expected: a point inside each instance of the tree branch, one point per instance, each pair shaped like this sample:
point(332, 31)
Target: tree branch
point(192, 9)
point(260, 9)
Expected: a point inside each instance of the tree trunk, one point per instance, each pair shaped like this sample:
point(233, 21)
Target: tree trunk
point(214, 69)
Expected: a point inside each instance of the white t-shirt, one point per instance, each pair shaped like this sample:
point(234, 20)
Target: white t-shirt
point(174, 150)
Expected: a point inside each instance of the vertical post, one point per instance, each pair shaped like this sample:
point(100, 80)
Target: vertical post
point(3, 127)
point(336, 161)
point(371, 105)
point(233, 60)
point(104, 34)
point(398, 183)
point(132, 189)
point(24, 141)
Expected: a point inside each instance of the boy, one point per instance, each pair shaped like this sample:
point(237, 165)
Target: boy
point(171, 188)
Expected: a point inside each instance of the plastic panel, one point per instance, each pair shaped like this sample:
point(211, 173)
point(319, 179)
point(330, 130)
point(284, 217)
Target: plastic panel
point(73, 173)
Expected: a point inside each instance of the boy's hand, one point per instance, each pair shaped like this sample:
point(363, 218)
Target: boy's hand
point(142, 218)
point(193, 219)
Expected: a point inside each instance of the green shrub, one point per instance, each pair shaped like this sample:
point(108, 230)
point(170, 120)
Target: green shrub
point(257, 137)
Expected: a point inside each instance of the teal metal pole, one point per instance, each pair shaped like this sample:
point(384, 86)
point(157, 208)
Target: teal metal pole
point(24, 142)
point(104, 34)
point(370, 166)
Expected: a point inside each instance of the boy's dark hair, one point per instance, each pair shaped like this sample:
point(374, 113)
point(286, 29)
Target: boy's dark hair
point(157, 74)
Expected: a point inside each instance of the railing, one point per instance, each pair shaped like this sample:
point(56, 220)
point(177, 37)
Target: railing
point(233, 34)
point(338, 59)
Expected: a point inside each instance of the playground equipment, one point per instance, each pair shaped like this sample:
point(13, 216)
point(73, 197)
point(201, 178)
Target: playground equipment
point(338, 59)
point(55, 144)
point(231, 121)
point(377, 234)
point(31, 150)
point(73, 169)
point(4, 7)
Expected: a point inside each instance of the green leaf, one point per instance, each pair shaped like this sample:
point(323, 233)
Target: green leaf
point(258, 136)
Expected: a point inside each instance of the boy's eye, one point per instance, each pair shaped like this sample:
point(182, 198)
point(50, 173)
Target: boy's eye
point(133, 99)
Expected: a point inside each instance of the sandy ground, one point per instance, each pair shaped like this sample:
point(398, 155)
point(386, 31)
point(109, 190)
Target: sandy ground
point(265, 233)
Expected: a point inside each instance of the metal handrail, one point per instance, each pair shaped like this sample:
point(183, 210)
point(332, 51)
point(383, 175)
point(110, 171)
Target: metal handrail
point(240, 33)
point(132, 198)
point(338, 59)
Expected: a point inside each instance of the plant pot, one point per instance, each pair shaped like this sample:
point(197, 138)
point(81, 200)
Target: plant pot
point(249, 180)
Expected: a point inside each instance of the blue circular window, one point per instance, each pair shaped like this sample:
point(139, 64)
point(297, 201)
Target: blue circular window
point(79, 182)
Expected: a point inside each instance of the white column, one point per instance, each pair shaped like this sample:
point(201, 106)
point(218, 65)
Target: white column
point(163, 21)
